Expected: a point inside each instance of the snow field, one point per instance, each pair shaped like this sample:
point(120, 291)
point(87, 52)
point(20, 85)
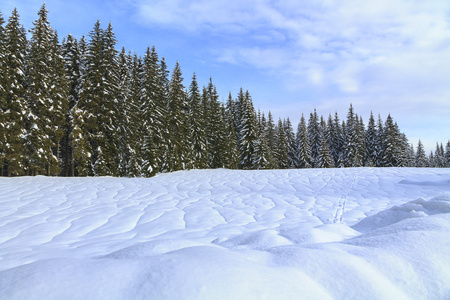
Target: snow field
point(372, 233)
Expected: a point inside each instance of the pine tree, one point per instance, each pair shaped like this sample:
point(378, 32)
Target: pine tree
point(162, 105)
point(215, 127)
point(14, 109)
point(338, 148)
point(271, 142)
point(393, 152)
point(107, 154)
point(129, 158)
point(360, 131)
point(47, 97)
point(223, 135)
point(410, 156)
point(97, 108)
point(247, 131)
point(282, 150)
point(325, 160)
point(87, 109)
point(315, 137)
point(329, 136)
point(379, 144)
point(447, 154)
point(439, 156)
point(81, 151)
point(261, 149)
point(232, 159)
point(290, 141)
point(371, 142)
point(177, 122)
point(431, 161)
point(197, 125)
point(237, 115)
point(3, 104)
point(154, 113)
point(72, 55)
point(303, 145)
point(421, 158)
point(353, 147)
point(59, 93)
point(139, 122)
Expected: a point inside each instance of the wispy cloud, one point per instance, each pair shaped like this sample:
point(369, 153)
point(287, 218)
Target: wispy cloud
point(386, 55)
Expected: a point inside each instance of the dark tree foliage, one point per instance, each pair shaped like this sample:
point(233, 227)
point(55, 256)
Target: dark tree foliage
point(177, 125)
point(247, 131)
point(282, 147)
point(81, 108)
point(315, 138)
point(47, 97)
point(199, 158)
point(303, 145)
point(14, 108)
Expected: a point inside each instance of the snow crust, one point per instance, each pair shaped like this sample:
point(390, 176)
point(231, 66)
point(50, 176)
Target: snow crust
point(362, 233)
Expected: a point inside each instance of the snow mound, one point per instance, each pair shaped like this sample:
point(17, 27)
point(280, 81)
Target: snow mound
point(259, 240)
point(201, 272)
point(228, 234)
point(325, 233)
point(413, 209)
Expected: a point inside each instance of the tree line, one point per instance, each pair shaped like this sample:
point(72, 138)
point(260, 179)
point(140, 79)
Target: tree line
point(82, 108)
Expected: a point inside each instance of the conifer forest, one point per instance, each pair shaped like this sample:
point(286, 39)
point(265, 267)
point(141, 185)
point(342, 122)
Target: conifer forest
point(81, 108)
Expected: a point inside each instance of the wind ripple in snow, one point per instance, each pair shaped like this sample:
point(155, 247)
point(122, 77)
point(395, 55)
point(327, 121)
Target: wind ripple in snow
point(223, 234)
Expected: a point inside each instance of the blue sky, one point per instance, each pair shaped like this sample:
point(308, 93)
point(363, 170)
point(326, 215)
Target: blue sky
point(385, 56)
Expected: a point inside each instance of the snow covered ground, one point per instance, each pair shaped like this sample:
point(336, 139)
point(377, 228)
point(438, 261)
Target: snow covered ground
point(362, 233)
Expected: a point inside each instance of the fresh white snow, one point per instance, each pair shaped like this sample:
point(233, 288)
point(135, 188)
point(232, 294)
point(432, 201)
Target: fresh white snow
point(359, 233)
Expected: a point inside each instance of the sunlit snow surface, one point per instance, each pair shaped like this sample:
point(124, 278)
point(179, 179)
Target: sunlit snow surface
point(362, 233)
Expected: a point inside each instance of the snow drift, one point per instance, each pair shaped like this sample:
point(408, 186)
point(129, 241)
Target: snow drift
point(220, 234)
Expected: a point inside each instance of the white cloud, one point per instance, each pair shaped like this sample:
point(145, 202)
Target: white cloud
point(389, 55)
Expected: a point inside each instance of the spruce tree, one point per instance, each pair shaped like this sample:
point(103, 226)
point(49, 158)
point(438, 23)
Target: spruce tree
point(215, 126)
point(72, 55)
point(247, 131)
point(379, 144)
point(87, 111)
point(197, 125)
point(421, 158)
point(393, 151)
point(315, 137)
point(337, 151)
point(177, 123)
point(107, 152)
point(128, 117)
point(237, 115)
point(97, 109)
point(447, 154)
point(353, 147)
point(3, 104)
point(439, 156)
point(232, 159)
point(303, 145)
point(411, 156)
point(59, 93)
point(81, 151)
point(282, 149)
point(271, 142)
point(14, 108)
point(361, 131)
point(431, 161)
point(47, 97)
point(290, 142)
point(154, 112)
point(261, 149)
point(162, 105)
point(329, 136)
point(325, 160)
point(370, 140)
